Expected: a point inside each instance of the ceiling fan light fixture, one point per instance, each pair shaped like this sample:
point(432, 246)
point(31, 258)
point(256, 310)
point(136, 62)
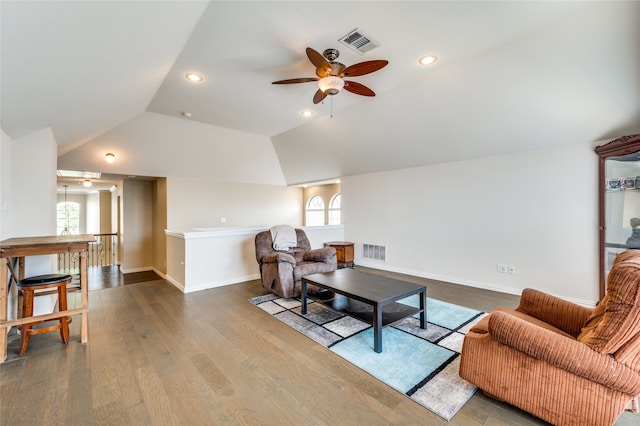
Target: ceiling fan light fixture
point(331, 85)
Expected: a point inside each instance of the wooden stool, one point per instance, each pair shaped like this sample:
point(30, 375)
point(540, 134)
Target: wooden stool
point(27, 287)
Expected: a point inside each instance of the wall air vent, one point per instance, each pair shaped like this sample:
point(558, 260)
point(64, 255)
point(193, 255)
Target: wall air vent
point(374, 252)
point(358, 42)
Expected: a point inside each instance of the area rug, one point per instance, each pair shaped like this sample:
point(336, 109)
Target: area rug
point(422, 364)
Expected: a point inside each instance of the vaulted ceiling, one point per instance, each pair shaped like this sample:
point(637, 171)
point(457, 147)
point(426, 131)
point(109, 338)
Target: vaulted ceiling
point(510, 76)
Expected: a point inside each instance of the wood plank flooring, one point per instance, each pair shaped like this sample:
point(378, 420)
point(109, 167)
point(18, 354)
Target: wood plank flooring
point(110, 276)
point(157, 356)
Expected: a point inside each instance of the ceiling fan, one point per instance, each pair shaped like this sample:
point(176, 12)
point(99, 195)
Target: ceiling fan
point(331, 74)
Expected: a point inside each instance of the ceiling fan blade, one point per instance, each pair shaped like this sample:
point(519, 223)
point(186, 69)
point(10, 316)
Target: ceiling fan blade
point(296, 80)
point(363, 68)
point(358, 89)
point(319, 96)
point(323, 68)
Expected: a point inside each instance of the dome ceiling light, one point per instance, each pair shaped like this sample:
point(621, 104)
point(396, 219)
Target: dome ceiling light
point(331, 85)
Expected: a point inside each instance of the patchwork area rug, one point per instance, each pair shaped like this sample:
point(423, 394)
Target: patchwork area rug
point(422, 364)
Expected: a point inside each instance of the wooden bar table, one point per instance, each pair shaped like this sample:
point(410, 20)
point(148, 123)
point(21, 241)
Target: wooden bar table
point(19, 248)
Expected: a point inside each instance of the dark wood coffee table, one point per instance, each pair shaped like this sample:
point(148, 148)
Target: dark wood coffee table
point(378, 294)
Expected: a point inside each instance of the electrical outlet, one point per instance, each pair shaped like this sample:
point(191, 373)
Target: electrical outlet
point(227, 262)
point(223, 219)
point(511, 269)
point(502, 268)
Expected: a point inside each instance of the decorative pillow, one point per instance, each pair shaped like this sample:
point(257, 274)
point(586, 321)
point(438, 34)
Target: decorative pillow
point(616, 319)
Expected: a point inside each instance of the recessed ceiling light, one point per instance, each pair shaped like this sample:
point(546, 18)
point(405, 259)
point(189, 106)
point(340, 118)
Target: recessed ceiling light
point(186, 114)
point(86, 183)
point(427, 60)
point(307, 113)
point(192, 76)
point(110, 157)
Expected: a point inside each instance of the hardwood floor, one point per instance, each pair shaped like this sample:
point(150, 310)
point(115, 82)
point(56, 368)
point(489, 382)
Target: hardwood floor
point(110, 276)
point(157, 356)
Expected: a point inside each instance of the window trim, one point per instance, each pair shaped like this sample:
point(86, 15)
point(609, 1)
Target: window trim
point(309, 210)
point(333, 209)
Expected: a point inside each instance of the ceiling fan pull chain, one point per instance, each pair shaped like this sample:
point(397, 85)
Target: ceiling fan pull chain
point(331, 107)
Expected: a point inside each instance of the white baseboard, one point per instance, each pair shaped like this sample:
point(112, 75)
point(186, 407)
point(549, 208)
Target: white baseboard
point(175, 283)
point(448, 279)
point(212, 284)
point(461, 281)
point(130, 271)
point(146, 269)
point(159, 273)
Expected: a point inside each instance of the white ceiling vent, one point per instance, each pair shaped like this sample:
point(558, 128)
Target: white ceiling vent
point(358, 42)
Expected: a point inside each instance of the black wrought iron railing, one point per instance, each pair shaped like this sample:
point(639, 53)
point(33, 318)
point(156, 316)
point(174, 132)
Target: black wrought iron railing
point(101, 253)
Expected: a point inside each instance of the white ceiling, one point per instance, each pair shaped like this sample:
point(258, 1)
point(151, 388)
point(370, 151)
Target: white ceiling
point(511, 76)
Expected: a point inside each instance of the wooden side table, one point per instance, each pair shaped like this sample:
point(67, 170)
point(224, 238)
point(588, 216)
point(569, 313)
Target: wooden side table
point(344, 252)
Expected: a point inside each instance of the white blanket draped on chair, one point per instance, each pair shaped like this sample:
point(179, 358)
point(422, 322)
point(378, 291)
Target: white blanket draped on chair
point(284, 237)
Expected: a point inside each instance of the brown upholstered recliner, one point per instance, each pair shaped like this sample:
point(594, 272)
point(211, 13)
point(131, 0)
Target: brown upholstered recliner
point(281, 271)
point(562, 362)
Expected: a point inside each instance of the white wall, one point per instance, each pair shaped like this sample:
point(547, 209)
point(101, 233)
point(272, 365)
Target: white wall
point(158, 145)
point(93, 213)
point(196, 262)
point(225, 255)
point(193, 203)
point(28, 188)
point(33, 205)
point(535, 210)
point(211, 262)
point(6, 144)
point(318, 235)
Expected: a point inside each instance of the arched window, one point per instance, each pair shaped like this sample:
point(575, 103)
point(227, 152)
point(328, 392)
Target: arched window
point(334, 209)
point(315, 211)
point(68, 218)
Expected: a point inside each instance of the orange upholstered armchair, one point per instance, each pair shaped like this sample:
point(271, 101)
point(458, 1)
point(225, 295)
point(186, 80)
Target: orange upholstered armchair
point(564, 363)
